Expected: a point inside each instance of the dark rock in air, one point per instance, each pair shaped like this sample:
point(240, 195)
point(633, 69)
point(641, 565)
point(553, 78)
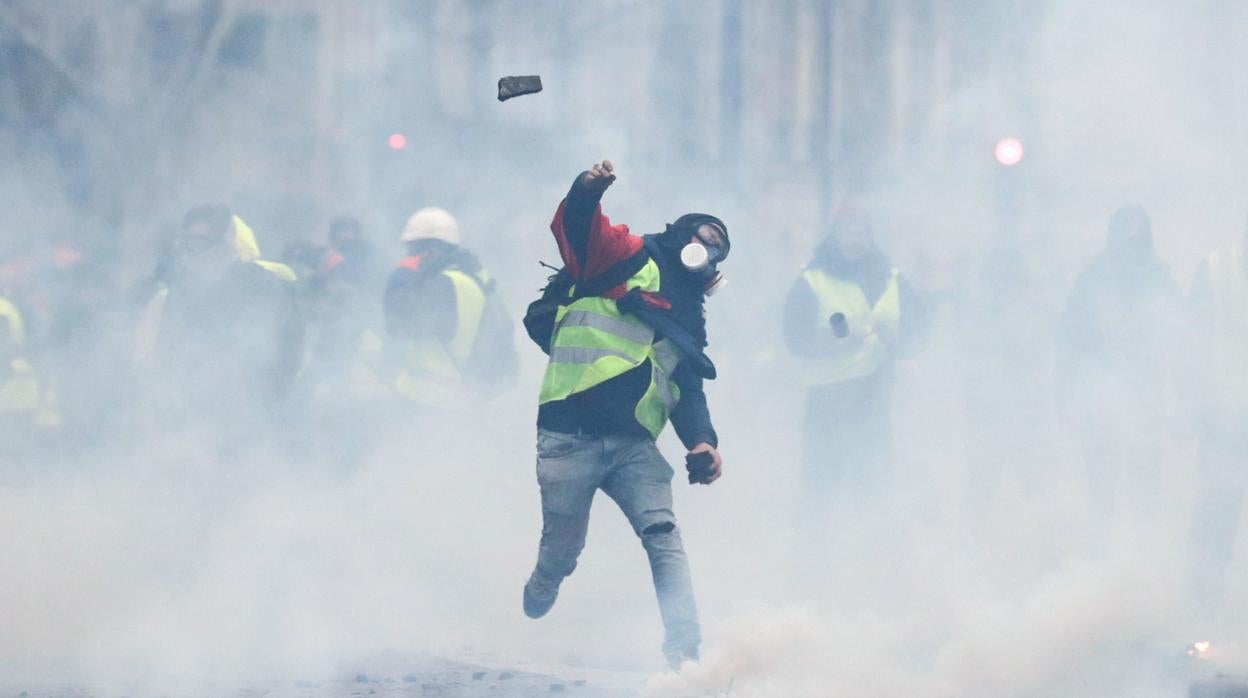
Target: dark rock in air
point(516, 85)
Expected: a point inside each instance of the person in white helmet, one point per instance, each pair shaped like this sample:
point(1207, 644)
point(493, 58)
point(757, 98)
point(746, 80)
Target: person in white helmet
point(441, 309)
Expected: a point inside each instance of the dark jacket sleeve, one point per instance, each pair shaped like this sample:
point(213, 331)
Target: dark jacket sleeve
point(691, 417)
point(276, 352)
point(578, 214)
point(801, 331)
point(420, 306)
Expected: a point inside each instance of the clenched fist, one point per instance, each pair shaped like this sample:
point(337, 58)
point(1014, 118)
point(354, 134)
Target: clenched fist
point(601, 175)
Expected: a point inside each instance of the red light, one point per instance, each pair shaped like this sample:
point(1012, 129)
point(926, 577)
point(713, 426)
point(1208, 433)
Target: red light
point(397, 141)
point(1009, 151)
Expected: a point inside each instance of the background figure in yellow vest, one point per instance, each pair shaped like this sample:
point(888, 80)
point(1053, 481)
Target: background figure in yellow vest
point(625, 339)
point(226, 335)
point(1117, 339)
point(849, 317)
point(1219, 367)
point(455, 343)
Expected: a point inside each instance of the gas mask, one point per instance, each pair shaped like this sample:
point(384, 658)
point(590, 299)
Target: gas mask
point(700, 261)
point(699, 251)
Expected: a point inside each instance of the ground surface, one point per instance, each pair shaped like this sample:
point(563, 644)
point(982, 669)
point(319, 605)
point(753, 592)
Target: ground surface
point(389, 676)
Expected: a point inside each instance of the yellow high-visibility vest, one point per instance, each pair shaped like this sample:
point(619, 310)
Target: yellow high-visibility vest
point(19, 388)
point(433, 370)
point(594, 342)
point(862, 351)
point(247, 246)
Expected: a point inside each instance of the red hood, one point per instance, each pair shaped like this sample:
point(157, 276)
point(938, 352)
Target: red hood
point(608, 245)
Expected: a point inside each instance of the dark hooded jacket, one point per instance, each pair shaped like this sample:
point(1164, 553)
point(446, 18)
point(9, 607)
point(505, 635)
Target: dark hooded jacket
point(1123, 320)
point(419, 301)
point(593, 249)
point(230, 346)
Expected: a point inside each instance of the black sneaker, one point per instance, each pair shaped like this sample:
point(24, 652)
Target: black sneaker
point(535, 607)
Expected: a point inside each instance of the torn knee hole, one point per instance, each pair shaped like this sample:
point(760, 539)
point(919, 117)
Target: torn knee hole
point(663, 527)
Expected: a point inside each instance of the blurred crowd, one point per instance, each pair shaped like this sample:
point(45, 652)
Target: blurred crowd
point(320, 342)
point(1132, 369)
point(241, 347)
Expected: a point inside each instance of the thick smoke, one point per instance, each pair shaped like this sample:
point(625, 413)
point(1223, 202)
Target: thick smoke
point(163, 560)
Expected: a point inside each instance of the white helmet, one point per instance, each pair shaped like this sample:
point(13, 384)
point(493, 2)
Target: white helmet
point(431, 223)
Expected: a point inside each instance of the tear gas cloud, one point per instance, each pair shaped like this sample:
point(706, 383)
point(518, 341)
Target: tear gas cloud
point(160, 554)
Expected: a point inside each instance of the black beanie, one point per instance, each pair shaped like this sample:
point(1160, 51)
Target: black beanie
point(681, 232)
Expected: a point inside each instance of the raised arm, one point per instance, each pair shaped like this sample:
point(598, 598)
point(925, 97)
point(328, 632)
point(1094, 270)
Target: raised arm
point(588, 243)
point(581, 203)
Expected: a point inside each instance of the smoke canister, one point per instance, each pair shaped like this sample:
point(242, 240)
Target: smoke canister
point(840, 326)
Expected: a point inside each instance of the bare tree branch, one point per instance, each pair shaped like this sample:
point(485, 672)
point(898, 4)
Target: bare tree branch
point(80, 85)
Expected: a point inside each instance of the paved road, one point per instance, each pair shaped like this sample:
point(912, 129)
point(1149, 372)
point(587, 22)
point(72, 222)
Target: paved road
point(410, 676)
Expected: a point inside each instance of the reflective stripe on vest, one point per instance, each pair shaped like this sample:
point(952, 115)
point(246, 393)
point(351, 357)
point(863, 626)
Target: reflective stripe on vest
point(17, 326)
point(584, 355)
point(19, 389)
point(594, 342)
point(663, 394)
point(469, 307)
point(245, 243)
point(433, 373)
point(629, 331)
point(862, 352)
point(281, 271)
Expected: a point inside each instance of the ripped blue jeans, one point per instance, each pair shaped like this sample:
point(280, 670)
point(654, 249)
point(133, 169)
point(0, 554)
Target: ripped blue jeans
point(571, 468)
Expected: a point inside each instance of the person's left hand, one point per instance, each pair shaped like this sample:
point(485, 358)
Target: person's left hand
point(717, 464)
